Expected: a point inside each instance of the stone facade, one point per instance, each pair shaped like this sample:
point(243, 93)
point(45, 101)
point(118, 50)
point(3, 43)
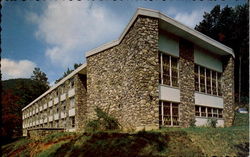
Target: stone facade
point(186, 82)
point(123, 80)
point(81, 101)
point(228, 90)
point(39, 133)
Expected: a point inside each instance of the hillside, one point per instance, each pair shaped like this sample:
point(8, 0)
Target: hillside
point(16, 94)
point(231, 141)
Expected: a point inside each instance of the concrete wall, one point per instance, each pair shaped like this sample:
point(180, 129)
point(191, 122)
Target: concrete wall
point(169, 43)
point(208, 100)
point(124, 80)
point(206, 59)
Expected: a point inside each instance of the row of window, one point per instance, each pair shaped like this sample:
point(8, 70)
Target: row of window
point(207, 81)
point(202, 111)
point(52, 109)
point(169, 113)
point(56, 124)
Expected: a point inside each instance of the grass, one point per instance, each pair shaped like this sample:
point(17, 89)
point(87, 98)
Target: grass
point(193, 141)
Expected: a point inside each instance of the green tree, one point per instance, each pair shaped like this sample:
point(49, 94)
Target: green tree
point(230, 26)
point(40, 76)
point(68, 72)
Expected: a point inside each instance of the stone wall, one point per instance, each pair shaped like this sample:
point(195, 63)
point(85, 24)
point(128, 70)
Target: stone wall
point(80, 101)
point(186, 82)
point(39, 133)
point(228, 90)
point(123, 80)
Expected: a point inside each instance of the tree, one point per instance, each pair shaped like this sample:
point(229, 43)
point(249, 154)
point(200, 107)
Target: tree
point(68, 72)
point(40, 76)
point(230, 27)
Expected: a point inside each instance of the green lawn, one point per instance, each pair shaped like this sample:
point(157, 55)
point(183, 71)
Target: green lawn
point(197, 141)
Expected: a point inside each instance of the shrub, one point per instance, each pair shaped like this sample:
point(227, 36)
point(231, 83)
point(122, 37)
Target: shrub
point(212, 122)
point(192, 122)
point(103, 122)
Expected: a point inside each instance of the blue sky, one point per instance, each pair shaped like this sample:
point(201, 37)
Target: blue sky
point(53, 35)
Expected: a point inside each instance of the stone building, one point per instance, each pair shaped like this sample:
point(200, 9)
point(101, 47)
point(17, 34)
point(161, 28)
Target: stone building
point(158, 73)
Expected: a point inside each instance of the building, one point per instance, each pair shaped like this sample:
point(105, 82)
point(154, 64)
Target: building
point(158, 73)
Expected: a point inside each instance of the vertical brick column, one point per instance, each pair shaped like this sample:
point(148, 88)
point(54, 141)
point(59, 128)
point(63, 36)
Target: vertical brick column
point(186, 82)
point(228, 90)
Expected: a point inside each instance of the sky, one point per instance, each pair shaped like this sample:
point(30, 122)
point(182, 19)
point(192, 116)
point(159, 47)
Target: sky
point(53, 35)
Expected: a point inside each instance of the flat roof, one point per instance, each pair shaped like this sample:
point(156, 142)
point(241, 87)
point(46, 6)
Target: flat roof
point(81, 69)
point(173, 26)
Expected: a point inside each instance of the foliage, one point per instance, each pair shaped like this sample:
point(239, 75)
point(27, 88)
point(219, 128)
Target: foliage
point(103, 122)
point(241, 119)
point(16, 94)
point(192, 122)
point(51, 151)
point(212, 122)
point(230, 26)
point(40, 77)
point(68, 72)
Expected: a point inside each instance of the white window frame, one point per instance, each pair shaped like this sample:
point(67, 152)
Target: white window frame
point(170, 70)
point(171, 114)
point(216, 93)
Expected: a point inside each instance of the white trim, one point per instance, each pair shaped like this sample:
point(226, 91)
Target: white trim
point(176, 24)
point(58, 84)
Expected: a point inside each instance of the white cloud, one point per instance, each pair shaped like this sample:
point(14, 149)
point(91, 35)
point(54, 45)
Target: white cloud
point(187, 18)
point(16, 69)
point(190, 19)
point(72, 27)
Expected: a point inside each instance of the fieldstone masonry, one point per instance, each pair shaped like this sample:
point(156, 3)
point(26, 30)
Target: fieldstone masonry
point(228, 90)
point(81, 101)
point(186, 82)
point(123, 80)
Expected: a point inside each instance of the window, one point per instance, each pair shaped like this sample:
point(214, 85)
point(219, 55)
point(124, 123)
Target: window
point(207, 81)
point(72, 103)
point(202, 111)
point(197, 111)
point(168, 113)
point(71, 84)
point(169, 72)
point(72, 122)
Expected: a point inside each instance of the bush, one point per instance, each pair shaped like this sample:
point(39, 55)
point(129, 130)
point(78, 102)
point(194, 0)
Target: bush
point(212, 122)
point(192, 122)
point(103, 122)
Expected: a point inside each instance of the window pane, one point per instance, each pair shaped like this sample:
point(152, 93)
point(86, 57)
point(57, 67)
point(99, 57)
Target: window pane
point(209, 111)
point(208, 81)
point(196, 78)
point(202, 79)
point(175, 114)
point(215, 114)
point(160, 114)
point(166, 112)
point(214, 83)
point(203, 111)
point(219, 83)
point(166, 69)
point(197, 111)
point(220, 113)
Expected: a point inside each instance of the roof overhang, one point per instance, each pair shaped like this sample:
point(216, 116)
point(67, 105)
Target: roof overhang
point(170, 25)
point(80, 70)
